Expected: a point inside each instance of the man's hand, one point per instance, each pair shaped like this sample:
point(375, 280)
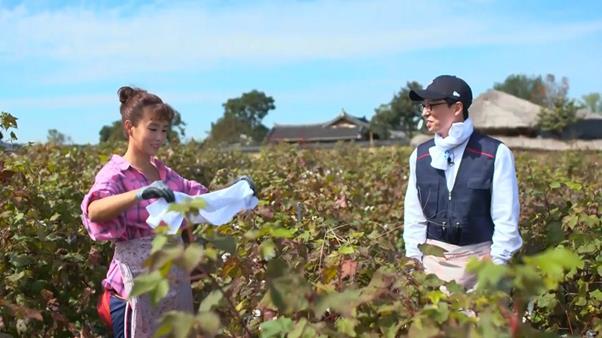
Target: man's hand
point(157, 189)
point(249, 180)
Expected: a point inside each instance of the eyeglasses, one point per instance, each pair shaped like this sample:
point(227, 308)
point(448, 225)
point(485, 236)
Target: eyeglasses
point(429, 106)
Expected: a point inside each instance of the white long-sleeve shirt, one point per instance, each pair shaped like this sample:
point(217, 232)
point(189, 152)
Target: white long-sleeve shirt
point(505, 209)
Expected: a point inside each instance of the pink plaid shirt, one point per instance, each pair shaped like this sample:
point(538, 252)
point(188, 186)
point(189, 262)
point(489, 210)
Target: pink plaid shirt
point(116, 177)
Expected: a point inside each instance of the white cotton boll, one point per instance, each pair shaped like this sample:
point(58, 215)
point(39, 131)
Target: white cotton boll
point(256, 313)
point(225, 256)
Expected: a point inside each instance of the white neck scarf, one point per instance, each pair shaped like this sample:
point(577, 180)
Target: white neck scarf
point(440, 152)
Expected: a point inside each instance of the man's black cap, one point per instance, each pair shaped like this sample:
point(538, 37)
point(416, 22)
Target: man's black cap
point(445, 87)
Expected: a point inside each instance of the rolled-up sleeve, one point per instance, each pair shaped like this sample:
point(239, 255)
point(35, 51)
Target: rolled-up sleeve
point(105, 185)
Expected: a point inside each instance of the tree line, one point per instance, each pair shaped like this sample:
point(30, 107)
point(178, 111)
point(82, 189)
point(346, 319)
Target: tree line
point(242, 119)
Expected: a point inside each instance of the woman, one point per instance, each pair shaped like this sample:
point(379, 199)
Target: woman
point(115, 209)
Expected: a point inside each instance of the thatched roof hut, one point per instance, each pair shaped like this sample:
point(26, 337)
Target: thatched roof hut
point(495, 112)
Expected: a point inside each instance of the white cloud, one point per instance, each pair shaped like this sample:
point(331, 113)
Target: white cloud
point(90, 44)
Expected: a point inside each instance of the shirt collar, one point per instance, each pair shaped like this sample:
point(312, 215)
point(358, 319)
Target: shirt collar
point(123, 165)
point(120, 162)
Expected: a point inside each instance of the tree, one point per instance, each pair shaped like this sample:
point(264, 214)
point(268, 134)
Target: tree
point(593, 102)
point(242, 119)
point(531, 88)
point(400, 113)
point(57, 138)
point(114, 131)
point(228, 130)
point(7, 122)
point(556, 118)
point(558, 110)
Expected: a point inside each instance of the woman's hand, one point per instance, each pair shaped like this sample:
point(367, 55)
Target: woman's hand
point(157, 189)
point(249, 180)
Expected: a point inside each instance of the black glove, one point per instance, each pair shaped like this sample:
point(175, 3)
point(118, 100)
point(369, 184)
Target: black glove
point(249, 180)
point(157, 189)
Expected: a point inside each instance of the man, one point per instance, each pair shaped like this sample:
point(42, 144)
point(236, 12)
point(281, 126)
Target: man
point(462, 194)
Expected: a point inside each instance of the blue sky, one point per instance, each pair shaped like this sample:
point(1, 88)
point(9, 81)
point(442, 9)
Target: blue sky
point(61, 62)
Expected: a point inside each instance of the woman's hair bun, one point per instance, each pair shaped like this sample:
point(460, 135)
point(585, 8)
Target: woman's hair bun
point(125, 93)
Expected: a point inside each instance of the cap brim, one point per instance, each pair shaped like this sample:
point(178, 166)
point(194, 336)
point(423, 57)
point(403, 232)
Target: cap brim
point(423, 94)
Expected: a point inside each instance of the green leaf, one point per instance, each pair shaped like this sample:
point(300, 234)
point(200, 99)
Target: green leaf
point(489, 275)
point(145, 283)
point(439, 312)
point(267, 249)
point(209, 322)
point(21, 260)
point(431, 250)
point(596, 294)
point(346, 326)
point(574, 186)
point(175, 324)
point(55, 217)
point(226, 243)
point(277, 268)
point(344, 303)
point(282, 233)
point(423, 330)
point(553, 263)
point(192, 256)
point(160, 291)
point(548, 300)
point(158, 243)
point(212, 299)
point(276, 328)
point(181, 208)
point(198, 203)
point(15, 276)
point(302, 329)
point(346, 250)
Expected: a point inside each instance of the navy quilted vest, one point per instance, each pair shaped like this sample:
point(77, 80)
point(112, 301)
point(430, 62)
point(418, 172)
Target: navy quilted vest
point(462, 216)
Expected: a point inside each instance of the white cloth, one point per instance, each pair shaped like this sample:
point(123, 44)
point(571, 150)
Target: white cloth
point(443, 148)
point(505, 210)
point(220, 207)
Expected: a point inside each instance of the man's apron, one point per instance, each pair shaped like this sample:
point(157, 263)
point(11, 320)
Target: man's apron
point(452, 266)
point(130, 256)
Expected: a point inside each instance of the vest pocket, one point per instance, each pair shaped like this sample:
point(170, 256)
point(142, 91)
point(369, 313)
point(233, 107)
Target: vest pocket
point(479, 184)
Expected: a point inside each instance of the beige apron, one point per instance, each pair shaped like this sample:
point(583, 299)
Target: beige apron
point(130, 256)
point(452, 266)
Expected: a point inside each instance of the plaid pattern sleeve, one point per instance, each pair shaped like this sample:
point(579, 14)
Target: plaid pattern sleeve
point(106, 184)
point(195, 188)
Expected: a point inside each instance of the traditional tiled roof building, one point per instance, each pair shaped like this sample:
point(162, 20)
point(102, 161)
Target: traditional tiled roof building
point(344, 127)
